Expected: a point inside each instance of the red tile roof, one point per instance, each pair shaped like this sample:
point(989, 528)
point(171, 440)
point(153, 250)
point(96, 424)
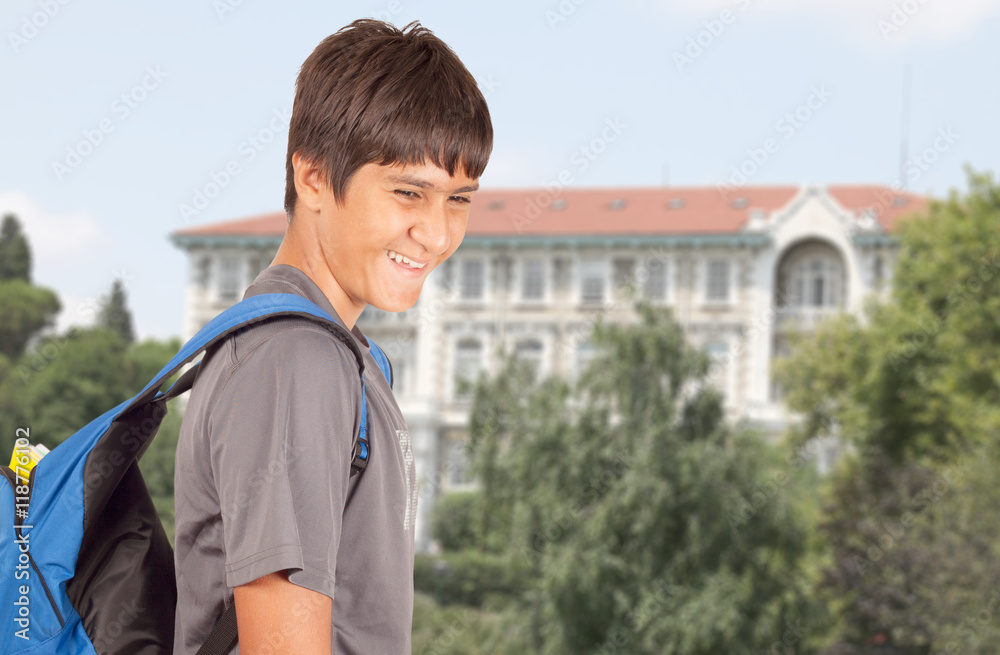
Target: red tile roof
point(667, 210)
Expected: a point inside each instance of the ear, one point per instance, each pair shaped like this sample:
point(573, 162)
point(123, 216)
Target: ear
point(309, 183)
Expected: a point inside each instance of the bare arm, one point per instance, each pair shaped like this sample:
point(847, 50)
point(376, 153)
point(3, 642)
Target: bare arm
point(278, 616)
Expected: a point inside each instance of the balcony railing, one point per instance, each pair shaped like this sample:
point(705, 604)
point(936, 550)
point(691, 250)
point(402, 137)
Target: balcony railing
point(803, 318)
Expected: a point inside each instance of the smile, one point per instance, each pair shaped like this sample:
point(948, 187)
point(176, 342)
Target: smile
point(404, 260)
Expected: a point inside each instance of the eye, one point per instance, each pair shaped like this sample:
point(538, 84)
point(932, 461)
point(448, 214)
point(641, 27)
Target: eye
point(406, 193)
point(460, 199)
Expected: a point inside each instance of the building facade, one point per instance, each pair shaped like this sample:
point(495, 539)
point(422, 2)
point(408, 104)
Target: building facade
point(740, 270)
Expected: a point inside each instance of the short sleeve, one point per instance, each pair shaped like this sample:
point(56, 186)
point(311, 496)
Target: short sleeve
point(281, 431)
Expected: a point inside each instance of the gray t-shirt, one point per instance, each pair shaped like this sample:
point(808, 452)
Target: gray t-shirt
point(262, 480)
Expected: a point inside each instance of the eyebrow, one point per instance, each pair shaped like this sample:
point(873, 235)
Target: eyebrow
point(424, 184)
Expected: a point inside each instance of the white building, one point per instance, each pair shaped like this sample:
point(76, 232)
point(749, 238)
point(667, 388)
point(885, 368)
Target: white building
point(740, 272)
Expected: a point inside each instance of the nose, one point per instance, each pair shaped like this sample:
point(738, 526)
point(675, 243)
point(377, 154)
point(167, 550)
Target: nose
point(432, 230)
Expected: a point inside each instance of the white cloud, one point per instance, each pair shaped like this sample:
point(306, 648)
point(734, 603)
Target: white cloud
point(53, 237)
point(894, 22)
point(67, 254)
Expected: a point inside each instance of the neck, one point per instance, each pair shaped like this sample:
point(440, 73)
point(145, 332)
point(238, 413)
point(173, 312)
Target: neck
point(304, 252)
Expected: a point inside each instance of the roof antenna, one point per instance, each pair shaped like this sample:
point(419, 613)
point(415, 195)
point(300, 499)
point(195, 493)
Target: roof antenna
point(904, 126)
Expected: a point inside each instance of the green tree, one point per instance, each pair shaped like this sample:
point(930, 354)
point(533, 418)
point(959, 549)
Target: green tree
point(919, 377)
point(647, 525)
point(115, 315)
point(15, 254)
point(68, 380)
point(913, 389)
point(25, 310)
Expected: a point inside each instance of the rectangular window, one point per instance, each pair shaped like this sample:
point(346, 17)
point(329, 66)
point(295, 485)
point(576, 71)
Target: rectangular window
point(531, 352)
point(721, 363)
point(656, 280)
point(229, 278)
point(203, 271)
point(623, 273)
point(532, 279)
point(585, 353)
point(717, 280)
point(458, 464)
point(468, 364)
point(473, 279)
point(592, 281)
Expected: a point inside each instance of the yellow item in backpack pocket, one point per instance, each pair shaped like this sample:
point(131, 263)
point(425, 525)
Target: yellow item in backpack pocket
point(25, 456)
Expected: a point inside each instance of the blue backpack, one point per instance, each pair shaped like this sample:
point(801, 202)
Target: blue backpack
point(87, 565)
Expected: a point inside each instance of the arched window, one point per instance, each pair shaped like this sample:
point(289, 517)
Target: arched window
point(812, 276)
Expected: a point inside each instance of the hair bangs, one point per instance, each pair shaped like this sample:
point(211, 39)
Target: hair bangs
point(374, 94)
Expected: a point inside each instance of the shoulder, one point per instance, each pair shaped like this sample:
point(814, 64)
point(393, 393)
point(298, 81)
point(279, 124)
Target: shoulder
point(287, 350)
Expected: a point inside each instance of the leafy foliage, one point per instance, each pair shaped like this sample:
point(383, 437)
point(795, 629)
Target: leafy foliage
point(68, 380)
point(454, 519)
point(919, 376)
point(456, 630)
point(622, 493)
point(469, 577)
point(114, 314)
point(913, 389)
point(25, 310)
point(15, 253)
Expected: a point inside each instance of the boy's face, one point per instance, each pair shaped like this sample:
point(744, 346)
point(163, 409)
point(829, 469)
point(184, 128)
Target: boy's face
point(417, 211)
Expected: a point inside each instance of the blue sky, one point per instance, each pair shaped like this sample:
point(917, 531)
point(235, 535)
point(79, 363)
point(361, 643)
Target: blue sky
point(698, 87)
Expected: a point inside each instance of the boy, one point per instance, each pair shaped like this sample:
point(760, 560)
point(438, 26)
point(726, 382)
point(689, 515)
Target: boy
point(388, 137)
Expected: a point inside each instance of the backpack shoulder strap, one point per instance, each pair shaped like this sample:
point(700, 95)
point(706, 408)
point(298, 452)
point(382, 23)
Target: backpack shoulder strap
point(382, 360)
point(362, 447)
point(251, 310)
point(224, 634)
point(244, 313)
point(247, 312)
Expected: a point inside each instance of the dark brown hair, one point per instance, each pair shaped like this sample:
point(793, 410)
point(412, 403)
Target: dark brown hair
point(372, 93)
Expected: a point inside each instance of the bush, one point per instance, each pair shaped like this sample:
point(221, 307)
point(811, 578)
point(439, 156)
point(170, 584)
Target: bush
point(453, 522)
point(468, 577)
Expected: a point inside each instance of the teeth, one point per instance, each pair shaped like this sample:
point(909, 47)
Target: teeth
point(402, 259)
